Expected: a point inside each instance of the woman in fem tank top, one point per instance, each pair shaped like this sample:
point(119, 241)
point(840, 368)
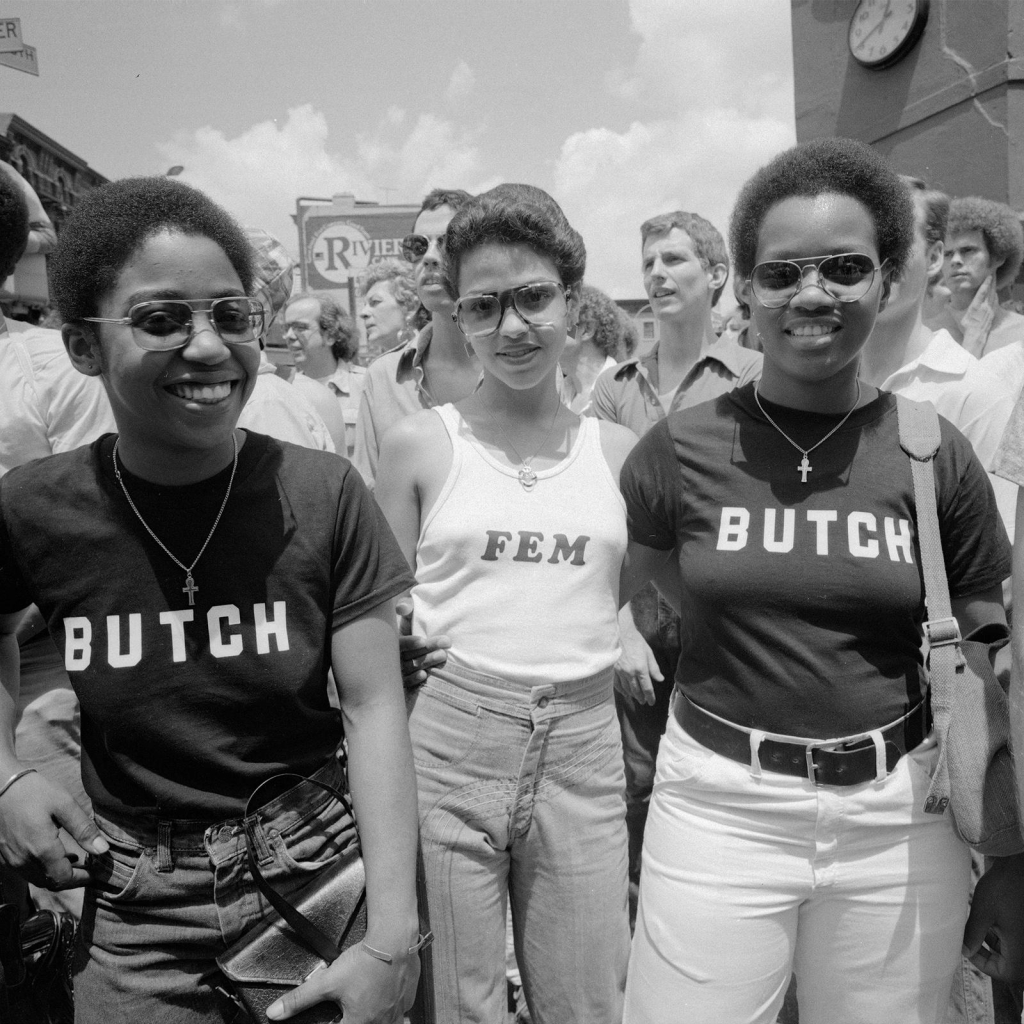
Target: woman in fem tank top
point(507, 505)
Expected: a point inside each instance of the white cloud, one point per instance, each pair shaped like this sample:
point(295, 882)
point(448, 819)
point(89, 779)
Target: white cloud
point(718, 102)
point(259, 174)
point(461, 84)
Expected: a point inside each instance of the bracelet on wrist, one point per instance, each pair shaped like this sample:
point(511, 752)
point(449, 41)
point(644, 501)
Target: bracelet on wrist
point(378, 954)
point(14, 778)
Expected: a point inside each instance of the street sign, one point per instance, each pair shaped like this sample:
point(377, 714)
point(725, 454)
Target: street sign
point(10, 35)
point(22, 60)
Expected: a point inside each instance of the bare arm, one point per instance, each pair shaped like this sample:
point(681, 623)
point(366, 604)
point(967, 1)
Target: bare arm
point(33, 809)
point(364, 655)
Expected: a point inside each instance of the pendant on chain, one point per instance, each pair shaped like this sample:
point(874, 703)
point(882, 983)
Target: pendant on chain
point(527, 478)
point(803, 469)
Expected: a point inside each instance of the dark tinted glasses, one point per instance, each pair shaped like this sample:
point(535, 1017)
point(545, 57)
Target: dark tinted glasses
point(538, 303)
point(165, 324)
point(414, 247)
point(846, 276)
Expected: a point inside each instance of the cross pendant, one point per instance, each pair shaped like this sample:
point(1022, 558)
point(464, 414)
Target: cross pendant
point(803, 469)
point(190, 588)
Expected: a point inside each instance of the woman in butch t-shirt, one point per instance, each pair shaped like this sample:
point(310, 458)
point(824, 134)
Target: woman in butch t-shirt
point(787, 828)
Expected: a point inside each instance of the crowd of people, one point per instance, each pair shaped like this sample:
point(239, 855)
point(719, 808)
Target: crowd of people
point(617, 649)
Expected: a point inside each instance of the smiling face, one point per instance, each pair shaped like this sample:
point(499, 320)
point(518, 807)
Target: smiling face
point(814, 339)
point(429, 279)
point(182, 402)
point(967, 264)
point(381, 314)
point(518, 354)
point(676, 282)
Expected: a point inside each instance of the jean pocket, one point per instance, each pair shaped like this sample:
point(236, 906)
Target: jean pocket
point(443, 727)
point(117, 874)
point(316, 840)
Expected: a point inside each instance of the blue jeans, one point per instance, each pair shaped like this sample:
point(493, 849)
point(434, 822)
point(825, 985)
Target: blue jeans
point(521, 796)
point(173, 895)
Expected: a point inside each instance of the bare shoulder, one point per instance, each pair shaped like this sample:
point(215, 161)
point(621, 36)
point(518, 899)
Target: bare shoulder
point(617, 442)
point(420, 435)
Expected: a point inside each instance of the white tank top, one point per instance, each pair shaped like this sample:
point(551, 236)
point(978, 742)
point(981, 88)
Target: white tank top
point(525, 583)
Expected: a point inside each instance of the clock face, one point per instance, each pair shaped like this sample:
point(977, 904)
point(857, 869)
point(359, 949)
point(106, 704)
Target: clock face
point(882, 31)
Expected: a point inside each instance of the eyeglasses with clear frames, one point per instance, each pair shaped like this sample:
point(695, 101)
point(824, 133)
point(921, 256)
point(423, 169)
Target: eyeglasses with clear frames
point(162, 325)
point(539, 304)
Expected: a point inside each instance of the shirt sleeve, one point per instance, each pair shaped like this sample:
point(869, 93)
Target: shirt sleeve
point(975, 546)
point(649, 483)
point(1008, 461)
point(602, 398)
point(364, 455)
point(14, 595)
point(369, 567)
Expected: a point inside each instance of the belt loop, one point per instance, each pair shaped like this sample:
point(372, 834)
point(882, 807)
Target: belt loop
point(756, 736)
point(881, 769)
point(164, 853)
point(258, 839)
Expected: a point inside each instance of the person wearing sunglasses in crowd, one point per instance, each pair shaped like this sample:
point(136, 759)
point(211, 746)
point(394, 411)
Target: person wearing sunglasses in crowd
point(787, 828)
point(436, 366)
point(507, 504)
point(200, 580)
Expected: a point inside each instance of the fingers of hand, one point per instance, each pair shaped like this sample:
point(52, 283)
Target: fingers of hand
point(309, 993)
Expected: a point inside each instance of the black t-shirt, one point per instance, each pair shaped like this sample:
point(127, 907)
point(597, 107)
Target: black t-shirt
point(806, 599)
point(186, 708)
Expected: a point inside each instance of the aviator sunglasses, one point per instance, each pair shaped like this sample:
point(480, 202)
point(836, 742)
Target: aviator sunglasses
point(162, 325)
point(539, 304)
point(846, 276)
point(414, 247)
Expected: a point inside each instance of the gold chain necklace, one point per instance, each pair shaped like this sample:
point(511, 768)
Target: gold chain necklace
point(805, 466)
point(527, 474)
point(190, 587)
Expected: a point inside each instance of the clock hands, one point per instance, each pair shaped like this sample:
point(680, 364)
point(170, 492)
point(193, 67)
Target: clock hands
point(878, 24)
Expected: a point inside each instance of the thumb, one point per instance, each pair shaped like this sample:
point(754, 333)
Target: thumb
point(653, 668)
point(309, 993)
point(80, 826)
point(403, 608)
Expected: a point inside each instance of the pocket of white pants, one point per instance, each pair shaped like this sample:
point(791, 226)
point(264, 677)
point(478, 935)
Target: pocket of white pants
point(681, 759)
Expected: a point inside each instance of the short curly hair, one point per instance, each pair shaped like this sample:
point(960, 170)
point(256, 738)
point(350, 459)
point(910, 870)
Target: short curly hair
point(609, 322)
point(110, 223)
point(399, 275)
point(840, 166)
point(14, 225)
point(999, 226)
point(512, 214)
point(335, 324)
point(707, 239)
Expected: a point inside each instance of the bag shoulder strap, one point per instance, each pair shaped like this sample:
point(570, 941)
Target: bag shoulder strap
point(920, 438)
point(313, 937)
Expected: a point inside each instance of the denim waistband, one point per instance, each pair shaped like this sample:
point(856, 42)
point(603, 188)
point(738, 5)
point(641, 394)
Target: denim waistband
point(189, 834)
point(508, 696)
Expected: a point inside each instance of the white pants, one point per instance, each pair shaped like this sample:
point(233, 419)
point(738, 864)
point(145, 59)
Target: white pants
point(745, 880)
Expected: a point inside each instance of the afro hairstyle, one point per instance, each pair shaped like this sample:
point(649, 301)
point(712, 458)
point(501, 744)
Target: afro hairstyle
point(999, 226)
point(110, 223)
point(839, 166)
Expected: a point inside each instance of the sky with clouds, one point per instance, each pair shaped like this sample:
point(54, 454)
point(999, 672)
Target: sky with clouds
point(620, 108)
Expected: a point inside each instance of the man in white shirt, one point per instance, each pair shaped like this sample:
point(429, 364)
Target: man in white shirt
point(906, 357)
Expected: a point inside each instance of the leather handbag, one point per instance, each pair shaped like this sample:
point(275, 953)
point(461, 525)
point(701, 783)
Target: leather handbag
point(302, 935)
point(975, 776)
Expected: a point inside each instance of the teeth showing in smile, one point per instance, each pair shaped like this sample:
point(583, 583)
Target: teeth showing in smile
point(201, 392)
point(812, 330)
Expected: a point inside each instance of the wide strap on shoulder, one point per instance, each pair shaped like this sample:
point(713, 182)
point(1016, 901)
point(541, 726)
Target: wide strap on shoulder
point(920, 438)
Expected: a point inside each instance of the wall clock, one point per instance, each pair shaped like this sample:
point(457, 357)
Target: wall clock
point(884, 31)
